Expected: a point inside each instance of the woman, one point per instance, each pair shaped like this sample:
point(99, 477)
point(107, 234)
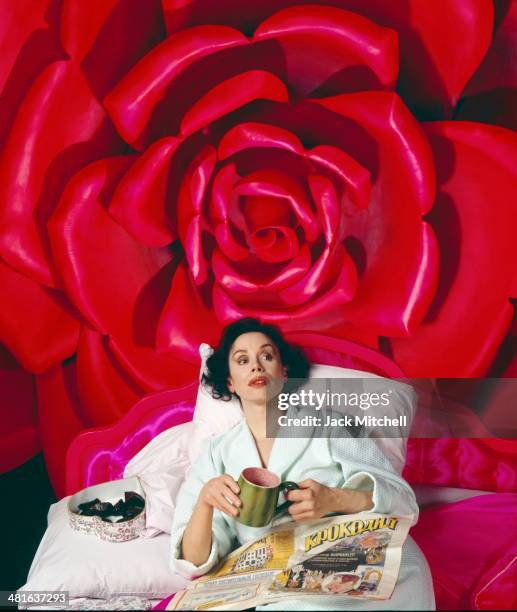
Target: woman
point(335, 475)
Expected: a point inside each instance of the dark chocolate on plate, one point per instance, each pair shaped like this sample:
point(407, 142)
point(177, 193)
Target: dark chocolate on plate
point(128, 508)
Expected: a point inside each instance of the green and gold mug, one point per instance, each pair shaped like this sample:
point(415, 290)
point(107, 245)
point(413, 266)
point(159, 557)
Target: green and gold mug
point(259, 491)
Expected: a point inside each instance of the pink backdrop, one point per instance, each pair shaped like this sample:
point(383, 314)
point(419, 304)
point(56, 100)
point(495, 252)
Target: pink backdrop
point(340, 166)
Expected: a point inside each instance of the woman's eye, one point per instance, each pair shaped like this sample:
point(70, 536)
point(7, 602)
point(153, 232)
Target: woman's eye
point(267, 356)
point(242, 361)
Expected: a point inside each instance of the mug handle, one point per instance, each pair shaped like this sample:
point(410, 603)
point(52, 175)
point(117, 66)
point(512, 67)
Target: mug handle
point(288, 485)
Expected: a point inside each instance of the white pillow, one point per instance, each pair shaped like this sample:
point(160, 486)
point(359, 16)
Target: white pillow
point(220, 416)
point(87, 566)
point(161, 467)
point(402, 402)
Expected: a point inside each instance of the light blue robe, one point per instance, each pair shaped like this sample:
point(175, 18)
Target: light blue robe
point(356, 463)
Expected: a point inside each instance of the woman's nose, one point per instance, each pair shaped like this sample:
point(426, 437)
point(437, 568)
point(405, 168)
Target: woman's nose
point(257, 366)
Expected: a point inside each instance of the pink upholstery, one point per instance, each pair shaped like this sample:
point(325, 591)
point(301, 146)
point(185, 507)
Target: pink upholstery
point(486, 464)
point(97, 455)
point(164, 603)
point(471, 546)
point(331, 351)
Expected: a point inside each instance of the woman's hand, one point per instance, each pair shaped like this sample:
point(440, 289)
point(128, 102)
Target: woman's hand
point(221, 493)
point(314, 500)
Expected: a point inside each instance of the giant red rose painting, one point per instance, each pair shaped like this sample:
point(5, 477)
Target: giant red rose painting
point(342, 166)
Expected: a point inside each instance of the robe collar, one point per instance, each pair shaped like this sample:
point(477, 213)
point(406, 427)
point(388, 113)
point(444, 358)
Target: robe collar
point(286, 450)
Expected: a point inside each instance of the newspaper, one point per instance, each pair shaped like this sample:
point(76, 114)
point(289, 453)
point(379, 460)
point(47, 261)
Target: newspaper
point(349, 555)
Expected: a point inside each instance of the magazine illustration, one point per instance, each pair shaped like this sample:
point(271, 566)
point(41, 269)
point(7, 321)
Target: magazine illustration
point(356, 556)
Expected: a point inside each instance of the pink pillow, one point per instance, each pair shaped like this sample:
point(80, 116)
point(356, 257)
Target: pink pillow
point(470, 545)
point(497, 588)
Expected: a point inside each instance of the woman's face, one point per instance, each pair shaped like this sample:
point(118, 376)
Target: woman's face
point(255, 368)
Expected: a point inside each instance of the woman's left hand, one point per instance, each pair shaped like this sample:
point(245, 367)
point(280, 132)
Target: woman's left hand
point(314, 500)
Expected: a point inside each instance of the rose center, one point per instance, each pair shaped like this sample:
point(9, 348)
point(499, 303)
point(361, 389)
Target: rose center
point(264, 211)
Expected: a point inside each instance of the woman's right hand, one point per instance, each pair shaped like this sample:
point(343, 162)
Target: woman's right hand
point(221, 493)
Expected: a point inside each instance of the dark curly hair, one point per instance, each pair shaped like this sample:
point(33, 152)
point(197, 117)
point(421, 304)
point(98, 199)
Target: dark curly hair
point(217, 366)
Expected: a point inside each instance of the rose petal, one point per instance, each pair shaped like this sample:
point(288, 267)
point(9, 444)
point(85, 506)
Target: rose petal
point(388, 120)
point(274, 244)
point(355, 177)
point(263, 212)
point(491, 94)
point(58, 129)
point(19, 21)
point(229, 278)
point(232, 281)
point(224, 205)
point(19, 437)
point(36, 324)
point(139, 203)
point(401, 256)
point(438, 56)
point(190, 208)
point(341, 44)
point(257, 135)
point(184, 13)
point(230, 95)
point(28, 46)
point(59, 421)
point(106, 392)
point(511, 370)
point(323, 269)
point(79, 219)
point(407, 285)
point(186, 320)
point(228, 245)
point(195, 249)
point(293, 318)
point(273, 183)
point(292, 272)
point(133, 100)
point(441, 42)
point(498, 68)
point(474, 219)
point(225, 212)
point(193, 189)
point(324, 194)
point(119, 285)
point(333, 325)
point(153, 370)
point(222, 197)
point(108, 36)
